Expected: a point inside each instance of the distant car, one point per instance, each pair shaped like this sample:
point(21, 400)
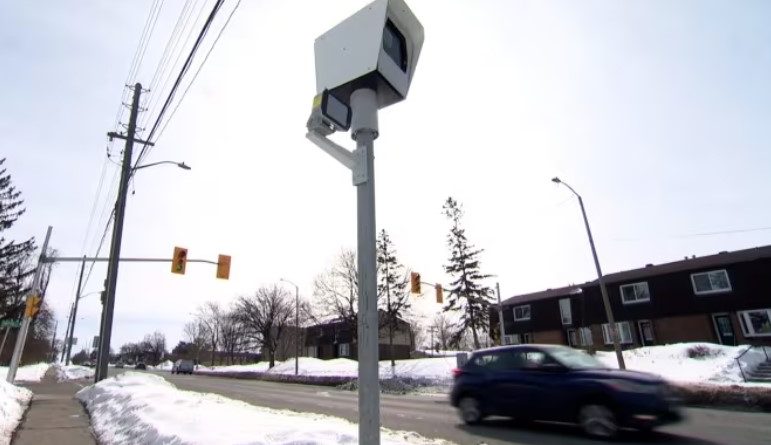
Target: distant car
point(140, 366)
point(183, 367)
point(557, 383)
point(119, 365)
point(88, 363)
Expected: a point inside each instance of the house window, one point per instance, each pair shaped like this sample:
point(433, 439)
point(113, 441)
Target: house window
point(585, 336)
point(511, 339)
point(624, 333)
point(635, 293)
point(312, 351)
point(712, 282)
point(344, 349)
point(522, 313)
point(567, 317)
point(572, 337)
point(756, 323)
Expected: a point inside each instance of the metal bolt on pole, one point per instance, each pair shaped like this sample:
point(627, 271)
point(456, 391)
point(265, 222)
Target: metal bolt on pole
point(120, 212)
point(21, 339)
point(364, 131)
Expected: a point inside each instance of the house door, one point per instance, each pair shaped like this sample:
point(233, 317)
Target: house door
point(724, 329)
point(646, 332)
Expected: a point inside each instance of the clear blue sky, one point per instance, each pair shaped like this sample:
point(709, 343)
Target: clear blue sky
point(657, 112)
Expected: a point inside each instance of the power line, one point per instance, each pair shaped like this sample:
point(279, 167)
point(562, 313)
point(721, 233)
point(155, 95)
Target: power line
point(725, 232)
point(181, 74)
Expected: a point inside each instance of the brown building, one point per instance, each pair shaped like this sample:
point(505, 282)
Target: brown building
point(723, 298)
point(335, 339)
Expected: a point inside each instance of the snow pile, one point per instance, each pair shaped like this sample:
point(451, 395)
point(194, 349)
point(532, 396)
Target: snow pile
point(254, 367)
point(683, 362)
point(134, 408)
point(28, 373)
point(13, 403)
point(164, 366)
point(73, 372)
point(439, 368)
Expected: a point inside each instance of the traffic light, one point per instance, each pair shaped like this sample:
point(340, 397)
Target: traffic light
point(223, 267)
point(414, 282)
point(33, 306)
point(439, 293)
point(179, 260)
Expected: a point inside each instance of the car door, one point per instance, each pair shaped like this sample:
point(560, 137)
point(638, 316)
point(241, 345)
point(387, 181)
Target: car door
point(547, 383)
point(508, 385)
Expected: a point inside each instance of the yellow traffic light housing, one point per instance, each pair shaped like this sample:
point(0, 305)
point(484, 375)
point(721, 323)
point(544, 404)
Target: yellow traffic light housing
point(223, 267)
point(439, 293)
point(33, 306)
point(179, 260)
point(414, 282)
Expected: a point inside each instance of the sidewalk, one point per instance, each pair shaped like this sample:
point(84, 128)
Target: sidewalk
point(54, 416)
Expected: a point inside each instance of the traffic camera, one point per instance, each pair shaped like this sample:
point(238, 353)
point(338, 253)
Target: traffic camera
point(376, 48)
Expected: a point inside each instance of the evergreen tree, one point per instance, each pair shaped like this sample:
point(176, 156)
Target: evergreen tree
point(16, 265)
point(467, 293)
point(392, 290)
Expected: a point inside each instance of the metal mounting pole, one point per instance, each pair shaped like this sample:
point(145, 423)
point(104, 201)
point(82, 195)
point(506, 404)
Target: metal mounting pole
point(120, 212)
point(75, 310)
point(21, 339)
point(500, 313)
point(66, 334)
point(364, 131)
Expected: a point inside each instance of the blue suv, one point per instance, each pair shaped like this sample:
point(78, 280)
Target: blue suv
point(557, 383)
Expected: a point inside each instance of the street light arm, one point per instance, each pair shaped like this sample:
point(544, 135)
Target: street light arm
point(557, 180)
point(181, 165)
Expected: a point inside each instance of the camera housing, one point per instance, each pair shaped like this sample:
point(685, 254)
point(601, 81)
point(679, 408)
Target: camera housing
point(376, 48)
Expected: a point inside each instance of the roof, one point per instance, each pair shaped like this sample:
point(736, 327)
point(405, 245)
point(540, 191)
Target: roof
point(693, 263)
point(544, 295)
point(721, 259)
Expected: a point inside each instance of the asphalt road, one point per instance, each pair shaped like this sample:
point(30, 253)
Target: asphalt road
point(432, 416)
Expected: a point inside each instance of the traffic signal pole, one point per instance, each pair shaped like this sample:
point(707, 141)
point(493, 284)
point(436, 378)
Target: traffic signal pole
point(117, 235)
point(34, 292)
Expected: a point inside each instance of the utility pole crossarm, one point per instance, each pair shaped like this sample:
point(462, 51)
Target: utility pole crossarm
point(113, 135)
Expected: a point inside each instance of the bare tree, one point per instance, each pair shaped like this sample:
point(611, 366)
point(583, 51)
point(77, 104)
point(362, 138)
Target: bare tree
point(265, 316)
point(154, 347)
point(195, 334)
point(443, 332)
point(231, 334)
point(210, 316)
point(336, 290)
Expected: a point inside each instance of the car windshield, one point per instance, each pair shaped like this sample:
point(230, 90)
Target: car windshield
point(574, 359)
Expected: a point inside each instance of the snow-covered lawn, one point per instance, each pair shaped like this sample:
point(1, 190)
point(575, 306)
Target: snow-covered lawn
point(28, 373)
point(439, 368)
point(137, 408)
point(163, 366)
point(13, 403)
point(73, 372)
point(670, 361)
point(674, 364)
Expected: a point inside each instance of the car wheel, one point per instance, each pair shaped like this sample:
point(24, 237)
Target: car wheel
point(470, 410)
point(598, 420)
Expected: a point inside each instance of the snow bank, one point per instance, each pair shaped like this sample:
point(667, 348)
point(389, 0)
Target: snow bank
point(254, 367)
point(714, 364)
point(73, 372)
point(13, 403)
point(28, 373)
point(137, 408)
point(163, 366)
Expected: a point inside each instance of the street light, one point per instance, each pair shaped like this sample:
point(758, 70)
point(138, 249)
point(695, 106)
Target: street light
point(603, 290)
point(296, 325)
point(181, 165)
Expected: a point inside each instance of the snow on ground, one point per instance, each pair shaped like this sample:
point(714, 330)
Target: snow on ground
point(13, 403)
point(73, 372)
point(27, 373)
point(137, 408)
point(672, 362)
point(163, 366)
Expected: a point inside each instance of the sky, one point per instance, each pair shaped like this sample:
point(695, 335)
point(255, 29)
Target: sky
point(656, 112)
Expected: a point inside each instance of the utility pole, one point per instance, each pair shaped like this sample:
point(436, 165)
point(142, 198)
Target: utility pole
point(500, 313)
point(33, 294)
point(117, 234)
point(5, 337)
point(53, 342)
point(66, 334)
point(75, 310)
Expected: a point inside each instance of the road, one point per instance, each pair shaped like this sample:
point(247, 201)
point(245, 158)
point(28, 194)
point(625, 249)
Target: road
point(432, 416)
